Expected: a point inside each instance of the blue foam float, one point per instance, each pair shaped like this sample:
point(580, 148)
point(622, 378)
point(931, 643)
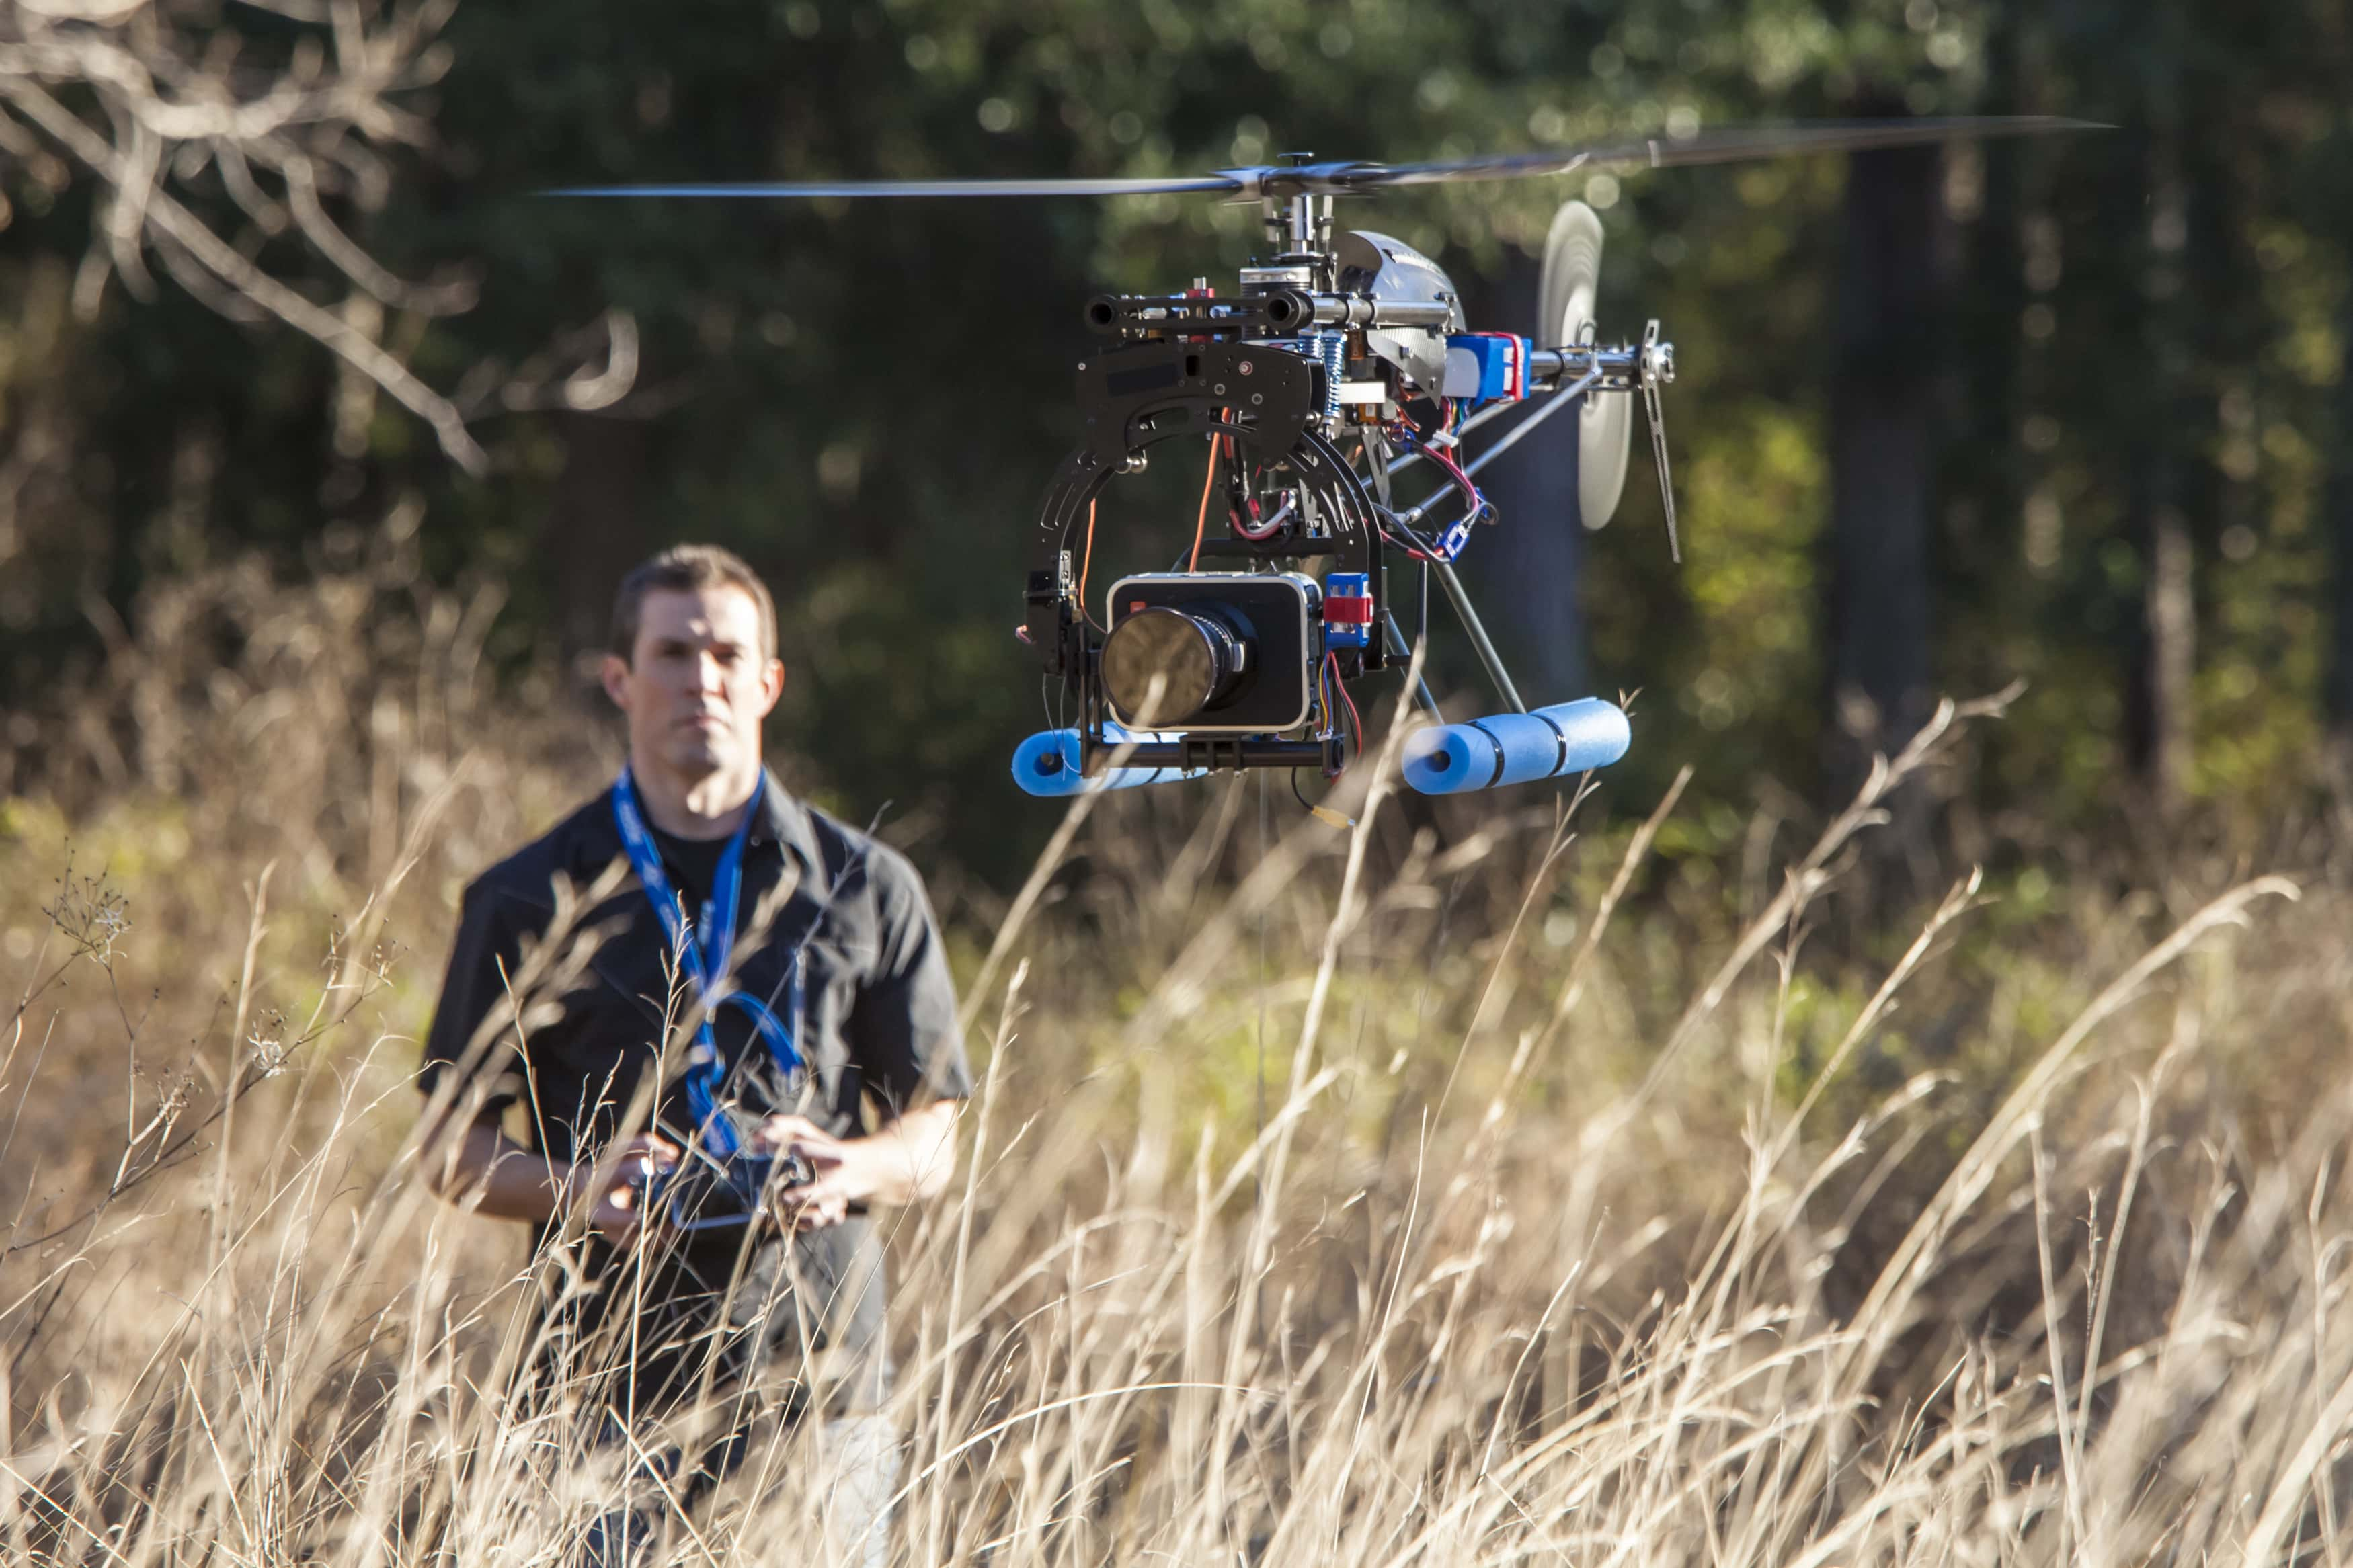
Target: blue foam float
point(1517, 748)
point(1047, 764)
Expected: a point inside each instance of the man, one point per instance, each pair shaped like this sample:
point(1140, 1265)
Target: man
point(779, 969)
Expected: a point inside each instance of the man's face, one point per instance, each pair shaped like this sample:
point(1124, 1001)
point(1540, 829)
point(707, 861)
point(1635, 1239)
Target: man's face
point(696, 685)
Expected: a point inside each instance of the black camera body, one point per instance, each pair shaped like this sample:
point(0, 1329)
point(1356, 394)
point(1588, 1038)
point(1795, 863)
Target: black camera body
point(707, 1193)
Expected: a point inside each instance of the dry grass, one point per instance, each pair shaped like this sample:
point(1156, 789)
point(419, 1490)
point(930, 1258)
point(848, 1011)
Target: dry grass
point(1331, 1197)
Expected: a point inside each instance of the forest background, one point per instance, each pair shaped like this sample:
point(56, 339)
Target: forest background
point(1762, 1159)
point(2068, 410)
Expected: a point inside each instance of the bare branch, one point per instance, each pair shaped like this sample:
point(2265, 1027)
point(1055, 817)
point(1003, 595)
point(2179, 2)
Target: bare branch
point(432, 300)
point(169, 94)
point(167, 216)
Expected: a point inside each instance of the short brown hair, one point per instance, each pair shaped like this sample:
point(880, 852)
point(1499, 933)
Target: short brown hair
point(682, 569)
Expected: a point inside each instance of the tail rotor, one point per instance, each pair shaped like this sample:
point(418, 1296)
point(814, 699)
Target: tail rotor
point(1566, 293)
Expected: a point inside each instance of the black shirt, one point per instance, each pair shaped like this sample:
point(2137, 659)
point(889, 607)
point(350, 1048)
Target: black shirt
point(874, 1011)
point(692, 864)
point(874, 1014)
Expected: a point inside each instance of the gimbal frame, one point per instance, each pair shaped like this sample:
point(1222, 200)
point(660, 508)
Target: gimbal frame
point(1268, 402)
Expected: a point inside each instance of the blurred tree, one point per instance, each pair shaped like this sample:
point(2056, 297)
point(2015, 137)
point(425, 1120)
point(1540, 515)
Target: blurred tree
point(2161, 641)
point(211, 142)
point(1529, 574)
point(2337, 528)
point(1883, 437)
point(866, 399)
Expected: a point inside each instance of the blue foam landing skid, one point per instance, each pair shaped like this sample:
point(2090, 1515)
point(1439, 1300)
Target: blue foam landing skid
point(1517, 748)
point(1047, 764)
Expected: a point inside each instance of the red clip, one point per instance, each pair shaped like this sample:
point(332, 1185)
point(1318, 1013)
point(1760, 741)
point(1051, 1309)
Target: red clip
point(1208, 293)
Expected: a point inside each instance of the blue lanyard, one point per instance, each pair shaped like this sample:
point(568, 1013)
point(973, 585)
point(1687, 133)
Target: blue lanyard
point(705, 960)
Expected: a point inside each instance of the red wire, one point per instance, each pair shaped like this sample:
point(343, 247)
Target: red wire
point(1453, 469)
point(1455, 472)
point(1333, 661)
point(1267, 532)
point(1324, 695)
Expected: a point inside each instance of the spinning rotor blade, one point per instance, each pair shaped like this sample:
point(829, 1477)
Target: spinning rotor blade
point(1564, 295)
point(1213, 183)
point(1725, 145)
point(1571, 278)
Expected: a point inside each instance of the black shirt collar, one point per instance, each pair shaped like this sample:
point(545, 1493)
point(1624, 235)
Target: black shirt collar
point(785, 820)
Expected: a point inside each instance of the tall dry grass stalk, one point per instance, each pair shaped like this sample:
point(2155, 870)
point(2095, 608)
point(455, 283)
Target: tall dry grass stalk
point(1329, 1198)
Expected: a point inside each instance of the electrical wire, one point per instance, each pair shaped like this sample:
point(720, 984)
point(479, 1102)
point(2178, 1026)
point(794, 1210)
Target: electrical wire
point(1355, 719)
point(1471, 499)
point(1245, 519)
point(1402, 534)
point(1303, 800)
point(1271, 526)
point(1324, 685)
point(1321, 813)
point(1356, 722)
point(1201, 525)
point(1085, 562)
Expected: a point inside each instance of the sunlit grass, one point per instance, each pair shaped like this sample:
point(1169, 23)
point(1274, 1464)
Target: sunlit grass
point(1365, 1198)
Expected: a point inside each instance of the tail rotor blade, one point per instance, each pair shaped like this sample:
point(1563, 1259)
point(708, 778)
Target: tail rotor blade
point(1566, 293)
point(1605, 454)
point(1571, 278)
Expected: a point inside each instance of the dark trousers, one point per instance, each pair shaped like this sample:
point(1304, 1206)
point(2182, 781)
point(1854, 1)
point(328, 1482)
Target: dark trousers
point(723, 1340)
point(653, 1490)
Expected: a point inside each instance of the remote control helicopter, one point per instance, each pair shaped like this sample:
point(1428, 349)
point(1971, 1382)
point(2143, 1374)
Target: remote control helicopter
point(1341, 362)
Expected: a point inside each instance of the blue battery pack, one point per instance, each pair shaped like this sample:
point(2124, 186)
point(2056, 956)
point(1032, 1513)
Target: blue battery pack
point(1486, 367)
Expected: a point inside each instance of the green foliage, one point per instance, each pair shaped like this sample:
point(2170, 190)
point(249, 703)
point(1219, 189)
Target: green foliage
point(866, 398)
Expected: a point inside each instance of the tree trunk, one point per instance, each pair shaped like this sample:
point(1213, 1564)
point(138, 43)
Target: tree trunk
point(1993, 374)
point(2337, 525)
point(594, 533)
point(2161, 647)
point(2163, 650)
point(1883, 449)
point(1530, 562)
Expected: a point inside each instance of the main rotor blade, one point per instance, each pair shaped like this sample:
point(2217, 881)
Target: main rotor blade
point(1146, 187)
point(1726, 144)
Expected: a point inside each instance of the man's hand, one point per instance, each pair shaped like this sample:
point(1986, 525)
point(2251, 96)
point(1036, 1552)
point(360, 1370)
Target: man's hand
point(835, 1181)
point(910, 1158)
point(491, 1173)
point(610, 1185)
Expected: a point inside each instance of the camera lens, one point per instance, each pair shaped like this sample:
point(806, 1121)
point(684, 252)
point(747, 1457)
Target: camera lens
point(1193, 656)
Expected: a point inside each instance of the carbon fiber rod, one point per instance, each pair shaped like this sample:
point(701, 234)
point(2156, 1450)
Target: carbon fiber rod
point(1478, 630)
point(1553, 400)
point(1397, 647)
point(1558, 401)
